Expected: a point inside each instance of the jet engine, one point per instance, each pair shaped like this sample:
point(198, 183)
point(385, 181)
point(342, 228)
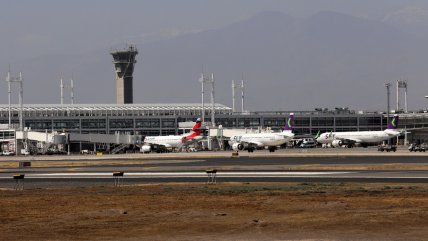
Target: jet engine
point(336, 143)
point(146, 148)
point(237, 147)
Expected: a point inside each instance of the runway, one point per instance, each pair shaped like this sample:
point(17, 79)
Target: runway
point(242, 169)
point(191, 168)
point(64, 179)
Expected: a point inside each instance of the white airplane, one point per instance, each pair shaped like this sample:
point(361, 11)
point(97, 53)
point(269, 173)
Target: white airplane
point(271, 140)
point(159, 143)
point(337, 139)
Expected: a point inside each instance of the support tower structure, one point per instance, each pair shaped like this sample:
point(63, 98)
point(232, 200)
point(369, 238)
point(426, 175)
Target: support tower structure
point(124, 62)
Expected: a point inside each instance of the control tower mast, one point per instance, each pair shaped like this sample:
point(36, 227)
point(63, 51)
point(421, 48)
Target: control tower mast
point(124, 67)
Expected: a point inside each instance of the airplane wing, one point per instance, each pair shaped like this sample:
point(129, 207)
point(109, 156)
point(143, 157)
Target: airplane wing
point(394, 132)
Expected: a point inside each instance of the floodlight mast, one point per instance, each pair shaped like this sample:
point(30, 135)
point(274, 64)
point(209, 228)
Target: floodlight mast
point(212, 101)
point(233, 95)
point(19, 80)
point(238, 86)
point(70, 87)
point(21, 100)
point(62, 91)
point(204, 80)
point(402, 84)
point(387, 85)
point(242, 95)
point(9, 94)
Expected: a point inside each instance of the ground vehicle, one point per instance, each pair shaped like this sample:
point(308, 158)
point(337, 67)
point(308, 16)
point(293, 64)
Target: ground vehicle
point(8, 153)
point(416, 147)
point(387, 148)
point(25, 152)
point(308, 143)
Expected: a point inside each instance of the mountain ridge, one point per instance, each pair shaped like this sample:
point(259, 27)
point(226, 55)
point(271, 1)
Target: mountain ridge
point(328, 59)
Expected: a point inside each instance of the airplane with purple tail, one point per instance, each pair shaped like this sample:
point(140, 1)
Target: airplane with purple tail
point(362, 138)
point(251, 142)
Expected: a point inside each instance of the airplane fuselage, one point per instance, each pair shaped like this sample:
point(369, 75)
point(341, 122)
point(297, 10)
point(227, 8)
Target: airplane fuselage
point(356, 136)
point(167, 141)
point(261, 139)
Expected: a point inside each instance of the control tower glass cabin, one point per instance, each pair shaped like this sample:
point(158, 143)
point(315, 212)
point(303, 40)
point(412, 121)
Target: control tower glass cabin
point(124, 62)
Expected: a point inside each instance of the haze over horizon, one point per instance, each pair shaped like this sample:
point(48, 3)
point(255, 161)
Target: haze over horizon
point(295, 55)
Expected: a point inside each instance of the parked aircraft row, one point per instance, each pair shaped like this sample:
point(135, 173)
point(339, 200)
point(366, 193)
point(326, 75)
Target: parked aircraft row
point(271, 141)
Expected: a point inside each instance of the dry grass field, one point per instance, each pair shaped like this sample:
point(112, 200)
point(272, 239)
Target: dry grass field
point(226, 211)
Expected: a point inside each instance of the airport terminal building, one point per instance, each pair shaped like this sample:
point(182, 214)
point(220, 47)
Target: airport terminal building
point(164, 119)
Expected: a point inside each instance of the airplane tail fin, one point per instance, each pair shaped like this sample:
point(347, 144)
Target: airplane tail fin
point(289, 126)
point(196, 131)
point(394, 123)
point(318, 134)
point(197, 125)
point(191, 136)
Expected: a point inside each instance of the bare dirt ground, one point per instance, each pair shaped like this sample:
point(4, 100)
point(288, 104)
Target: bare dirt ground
point(225, 211)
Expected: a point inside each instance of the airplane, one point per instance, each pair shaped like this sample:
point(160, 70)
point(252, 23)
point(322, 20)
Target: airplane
point(160, 143)
point(362, 138)
point(271, 140)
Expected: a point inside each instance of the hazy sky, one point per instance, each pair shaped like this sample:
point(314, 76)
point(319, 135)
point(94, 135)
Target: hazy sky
point(32, 28)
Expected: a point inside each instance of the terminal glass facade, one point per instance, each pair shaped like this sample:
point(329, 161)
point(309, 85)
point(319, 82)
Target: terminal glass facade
point(163, 119)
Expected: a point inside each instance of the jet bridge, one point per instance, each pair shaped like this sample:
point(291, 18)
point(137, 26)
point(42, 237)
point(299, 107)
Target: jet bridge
point(106, 138)
point(41, 142)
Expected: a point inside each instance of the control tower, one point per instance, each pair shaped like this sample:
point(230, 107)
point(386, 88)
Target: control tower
point(124, 67)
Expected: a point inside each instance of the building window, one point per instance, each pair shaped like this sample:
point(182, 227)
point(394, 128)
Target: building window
point(121, 123)
point(322, 121)
point(147, 123)
point(93, 124)
point(39, 124)
point(346, 121)
point(168, 123)
point(66, 124)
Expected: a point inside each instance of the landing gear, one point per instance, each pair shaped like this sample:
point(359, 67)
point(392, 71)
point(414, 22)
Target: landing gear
point(272, 148)
point(251, 149)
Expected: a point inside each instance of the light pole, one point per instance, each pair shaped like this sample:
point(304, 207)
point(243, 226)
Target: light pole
point(19, 80)
point(387, 85)
point(71, 87)
point(212, 101)
point(238, 86)
point(203, 80)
